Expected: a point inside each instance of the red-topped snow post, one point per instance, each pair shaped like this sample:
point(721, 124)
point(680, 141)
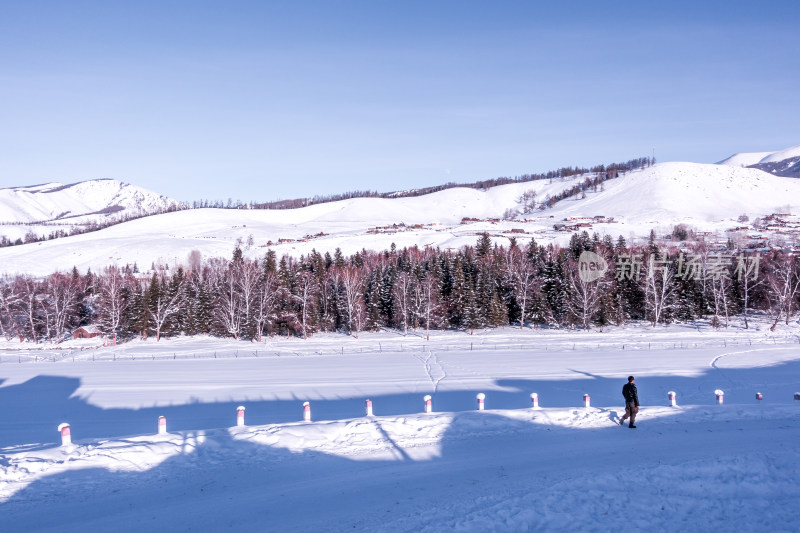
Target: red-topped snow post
point(162, 425)
point(720, 396)
point(673, 398)
point(586, 401)
point(66, 437)
point(428, 403)
point(306, 412)
point(240, 415)
point(369, 407)
point(481, 397)
point(534, 400)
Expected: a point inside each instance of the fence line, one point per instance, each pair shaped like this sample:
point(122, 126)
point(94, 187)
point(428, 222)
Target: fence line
point(380, 349)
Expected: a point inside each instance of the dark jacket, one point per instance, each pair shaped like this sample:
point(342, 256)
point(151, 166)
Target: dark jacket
point(630, 393)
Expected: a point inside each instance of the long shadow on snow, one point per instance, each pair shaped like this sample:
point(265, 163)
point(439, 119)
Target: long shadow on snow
point(32, 410)
point(230, 483)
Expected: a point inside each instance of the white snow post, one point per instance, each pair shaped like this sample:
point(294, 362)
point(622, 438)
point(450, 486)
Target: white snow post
point(428, 403)
point(720, 395)
point(481, 398)
point(586, 402)
point(66, 438)
point(759, 396)
point(162, 425)
point(673, 398)
point(534, 400)
point(240, 415)
point(306, 412)
point(369, 407)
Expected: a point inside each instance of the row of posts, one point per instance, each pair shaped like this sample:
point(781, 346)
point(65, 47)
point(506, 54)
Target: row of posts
point(66, 438)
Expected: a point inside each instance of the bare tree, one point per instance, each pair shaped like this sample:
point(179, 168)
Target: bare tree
point(305, 297)
point(227, 309)
point(659, 287)
point(431, 304)
point(29, 293)
point(784, 282)
point(521, 274)
point(716, 274)
point(9, 303)
point(401, 292)
point(583, 297)
point(58, 301)
point(264, 309)
point(112, 303)
point(353, 285)
point(747, 272)
point(246, 275)
point(195, 261)
point(165, 302)
point(359, 316)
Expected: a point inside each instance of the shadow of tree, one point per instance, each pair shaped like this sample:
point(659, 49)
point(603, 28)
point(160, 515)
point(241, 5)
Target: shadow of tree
point(219, 481)
point(33, 409)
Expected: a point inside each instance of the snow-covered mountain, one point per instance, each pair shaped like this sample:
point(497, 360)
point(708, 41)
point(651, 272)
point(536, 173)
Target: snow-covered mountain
point(784, 163)
point(709, 198)
point(78, 203)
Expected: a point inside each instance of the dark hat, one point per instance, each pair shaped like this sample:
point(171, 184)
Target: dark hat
point(630, 378)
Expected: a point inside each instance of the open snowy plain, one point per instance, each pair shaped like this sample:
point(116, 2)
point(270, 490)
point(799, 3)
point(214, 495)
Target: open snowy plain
point(699, 466)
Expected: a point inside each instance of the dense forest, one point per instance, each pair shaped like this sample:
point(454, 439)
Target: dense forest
point(480, 286)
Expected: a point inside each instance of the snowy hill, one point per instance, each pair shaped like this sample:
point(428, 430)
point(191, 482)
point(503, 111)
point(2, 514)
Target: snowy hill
point(78, 202)
point(782, 155)
point(706, 197)
point(168, 238)
point(668, 193)
point(784, 163)
point(745, 159)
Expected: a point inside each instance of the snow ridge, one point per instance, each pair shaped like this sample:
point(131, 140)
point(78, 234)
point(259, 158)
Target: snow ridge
point(93, 200)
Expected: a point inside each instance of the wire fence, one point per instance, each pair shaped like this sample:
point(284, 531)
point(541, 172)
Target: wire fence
point(537, 348)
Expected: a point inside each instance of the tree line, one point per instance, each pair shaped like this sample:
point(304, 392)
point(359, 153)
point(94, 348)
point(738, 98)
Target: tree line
point(607, 171)
point(481, 286)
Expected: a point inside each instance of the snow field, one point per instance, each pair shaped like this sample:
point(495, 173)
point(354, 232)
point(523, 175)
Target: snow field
point(495, 470)
point(698, 466)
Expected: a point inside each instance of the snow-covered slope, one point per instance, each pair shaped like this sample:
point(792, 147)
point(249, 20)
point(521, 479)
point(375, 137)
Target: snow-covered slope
point(708, 197)
point(745, 159)
point(691, 192)
point(168, 238)
point(782, 155)
point(95, 199)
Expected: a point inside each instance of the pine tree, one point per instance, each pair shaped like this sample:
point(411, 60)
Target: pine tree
point(484, 245)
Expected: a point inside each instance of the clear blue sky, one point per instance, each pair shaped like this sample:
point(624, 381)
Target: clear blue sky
point(268, 100)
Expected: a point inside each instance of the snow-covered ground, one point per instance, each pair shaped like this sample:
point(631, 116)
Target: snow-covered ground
point(700, 466)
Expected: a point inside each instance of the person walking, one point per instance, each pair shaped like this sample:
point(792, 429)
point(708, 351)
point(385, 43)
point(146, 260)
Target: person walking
point(631, 402)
